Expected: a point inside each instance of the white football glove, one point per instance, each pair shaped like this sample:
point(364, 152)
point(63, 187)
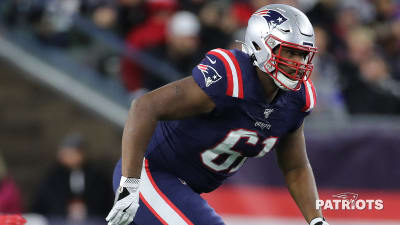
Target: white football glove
point(318, 221)
point(126, 202)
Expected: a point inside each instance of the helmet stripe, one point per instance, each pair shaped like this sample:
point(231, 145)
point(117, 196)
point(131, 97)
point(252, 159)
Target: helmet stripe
point(262, 12)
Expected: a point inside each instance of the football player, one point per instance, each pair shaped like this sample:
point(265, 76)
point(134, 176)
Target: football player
point(187, 137)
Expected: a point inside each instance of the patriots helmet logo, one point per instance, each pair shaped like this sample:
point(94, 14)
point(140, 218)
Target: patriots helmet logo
point(273, 18)
point(210, 74)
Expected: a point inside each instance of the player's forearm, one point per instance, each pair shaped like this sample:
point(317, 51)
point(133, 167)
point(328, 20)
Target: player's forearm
point(302, 187)
point(137, 133)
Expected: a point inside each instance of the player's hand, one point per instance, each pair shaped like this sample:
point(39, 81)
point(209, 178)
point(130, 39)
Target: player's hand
point(318, 221)
point(126, 202)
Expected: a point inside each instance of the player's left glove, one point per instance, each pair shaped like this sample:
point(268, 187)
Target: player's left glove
point(126, 202)
point(318, 221)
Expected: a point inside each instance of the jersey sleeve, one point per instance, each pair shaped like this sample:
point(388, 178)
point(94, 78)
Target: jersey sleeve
point(220, 77)
point(309, 97)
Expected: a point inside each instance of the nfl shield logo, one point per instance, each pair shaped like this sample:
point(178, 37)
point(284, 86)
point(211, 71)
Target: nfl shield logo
point(268, 112)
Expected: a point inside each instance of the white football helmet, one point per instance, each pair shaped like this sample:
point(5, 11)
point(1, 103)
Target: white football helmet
point(275, 26)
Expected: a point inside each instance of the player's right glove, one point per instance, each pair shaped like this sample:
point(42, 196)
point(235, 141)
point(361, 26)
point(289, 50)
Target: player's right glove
point(318, 221)
point(126, 202)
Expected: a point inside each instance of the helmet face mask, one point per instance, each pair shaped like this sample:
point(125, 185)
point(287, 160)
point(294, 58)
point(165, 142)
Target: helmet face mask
point(278, 64)
point(274, 30)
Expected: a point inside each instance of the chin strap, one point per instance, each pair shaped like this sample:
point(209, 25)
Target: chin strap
point(288, 84)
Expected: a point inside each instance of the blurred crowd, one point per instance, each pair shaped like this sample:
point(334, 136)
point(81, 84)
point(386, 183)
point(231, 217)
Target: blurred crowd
point(72, 191)
point(357, 67)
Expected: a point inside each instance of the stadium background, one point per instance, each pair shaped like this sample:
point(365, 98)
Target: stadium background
point(74, 66)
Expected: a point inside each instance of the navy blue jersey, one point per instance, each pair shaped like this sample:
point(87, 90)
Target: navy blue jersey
point(204, 150)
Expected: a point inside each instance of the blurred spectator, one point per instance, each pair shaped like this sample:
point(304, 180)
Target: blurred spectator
point(73, 189)
point(192, 5)
point(256, 4)
point(217, 23)
point(374, 71)
point(10, 197)
point(365, 75)
point(326, 78)
point(393, 48)
point(389, 40)
point(182, 47)
point(57, 21)
point(130, 14)
point(386, 10)
point(242, 12)
point(323, 13)
point(147, 35)
point(105, 17)
point(364, 10)
point(347, 19)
